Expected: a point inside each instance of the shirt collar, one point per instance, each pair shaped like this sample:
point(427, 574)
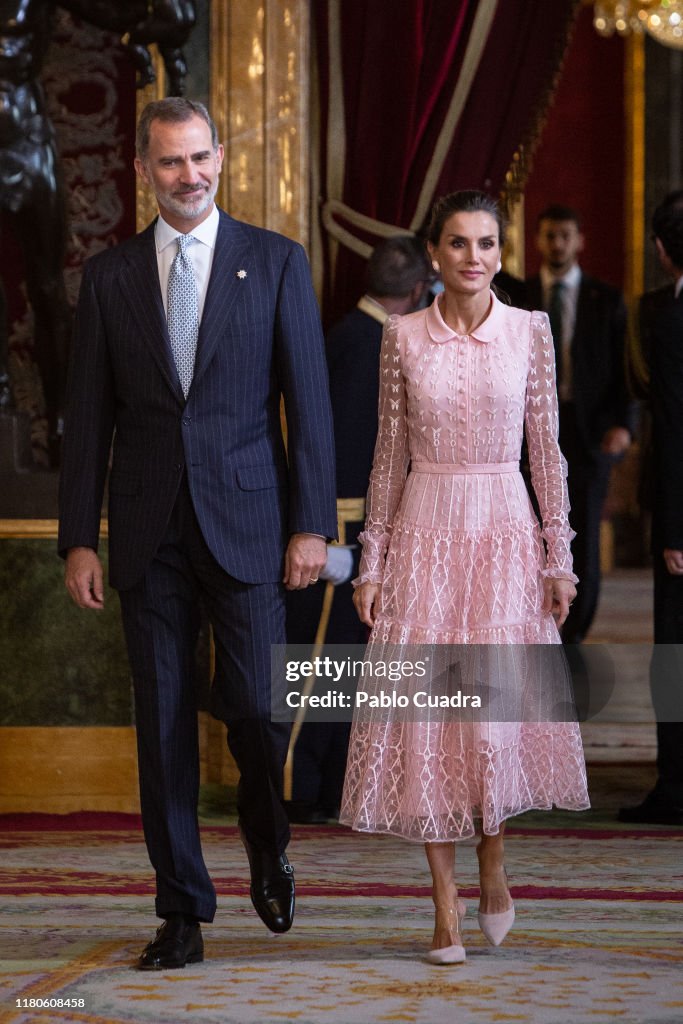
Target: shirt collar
point(572, 279)
point(373, 308)
point(488, 330)
point(205, 232)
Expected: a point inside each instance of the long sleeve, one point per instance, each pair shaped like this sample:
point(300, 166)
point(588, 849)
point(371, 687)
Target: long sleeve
point(302, 370)
point(626, 407)
point(391, 458)
point(89, 425)
point(548, 467)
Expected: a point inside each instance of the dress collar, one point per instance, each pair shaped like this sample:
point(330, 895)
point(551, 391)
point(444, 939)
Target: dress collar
point(488, 330)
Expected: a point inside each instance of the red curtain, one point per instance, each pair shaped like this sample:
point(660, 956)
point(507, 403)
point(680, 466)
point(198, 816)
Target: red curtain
point(419, 100)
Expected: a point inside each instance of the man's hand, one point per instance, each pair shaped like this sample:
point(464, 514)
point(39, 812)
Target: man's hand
point(365, 601)
point(305, 556)
point(674, 561)
point(84, 578)
point(615, 441)
point(557, 597)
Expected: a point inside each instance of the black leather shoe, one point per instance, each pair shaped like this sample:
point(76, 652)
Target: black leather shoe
point(651, 812)
point(178, 942)
point(272, 886)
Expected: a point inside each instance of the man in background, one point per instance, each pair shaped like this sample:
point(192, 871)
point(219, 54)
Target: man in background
point(588, 323)
point(398, 276)
point(664, 353)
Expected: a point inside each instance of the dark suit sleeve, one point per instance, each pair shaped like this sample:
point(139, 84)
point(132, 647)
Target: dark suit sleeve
point(89, 425)
point(625, 408)
point(303, 378)
point(667, 408)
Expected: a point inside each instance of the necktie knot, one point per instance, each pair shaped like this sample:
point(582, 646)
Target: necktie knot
point(184, 242)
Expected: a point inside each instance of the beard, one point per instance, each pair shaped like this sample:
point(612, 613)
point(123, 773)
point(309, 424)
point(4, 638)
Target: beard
point(195, 203)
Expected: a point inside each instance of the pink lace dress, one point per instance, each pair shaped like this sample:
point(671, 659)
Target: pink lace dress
point(452, 538)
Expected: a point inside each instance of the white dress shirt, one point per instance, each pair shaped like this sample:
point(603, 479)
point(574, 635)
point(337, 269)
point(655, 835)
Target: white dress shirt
point(201, 254)
point(570, 298)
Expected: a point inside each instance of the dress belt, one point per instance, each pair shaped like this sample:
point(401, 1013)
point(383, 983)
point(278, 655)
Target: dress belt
point(464, 467)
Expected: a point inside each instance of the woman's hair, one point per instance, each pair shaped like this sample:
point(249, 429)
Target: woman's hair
point(465, 201)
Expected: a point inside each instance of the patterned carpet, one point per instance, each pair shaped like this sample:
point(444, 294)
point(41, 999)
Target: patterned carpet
point(597, 936)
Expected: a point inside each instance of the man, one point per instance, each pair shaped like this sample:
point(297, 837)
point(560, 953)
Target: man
point(588, 322)
point(664, 805)
point(185, 338)
point(397, 278)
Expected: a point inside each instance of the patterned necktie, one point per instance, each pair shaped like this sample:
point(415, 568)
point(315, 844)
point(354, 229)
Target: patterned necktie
point(182, 312)
point(556, 317)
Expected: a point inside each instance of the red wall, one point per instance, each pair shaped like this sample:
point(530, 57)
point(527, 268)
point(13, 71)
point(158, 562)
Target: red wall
point(580, 157)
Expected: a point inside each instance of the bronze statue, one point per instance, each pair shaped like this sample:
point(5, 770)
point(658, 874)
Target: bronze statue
point(167, 23)
point(31, 190)
point(31, 194)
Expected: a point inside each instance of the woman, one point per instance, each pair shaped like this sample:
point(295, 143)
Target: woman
point(453, 554)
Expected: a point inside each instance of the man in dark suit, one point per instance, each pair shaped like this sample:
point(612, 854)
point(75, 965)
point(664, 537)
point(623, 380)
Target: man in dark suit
point(664, 354)
point(588, 321)
point(186, 337)
point(397, 277)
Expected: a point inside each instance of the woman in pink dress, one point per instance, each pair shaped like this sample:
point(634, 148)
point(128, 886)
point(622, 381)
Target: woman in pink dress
point(453, 555)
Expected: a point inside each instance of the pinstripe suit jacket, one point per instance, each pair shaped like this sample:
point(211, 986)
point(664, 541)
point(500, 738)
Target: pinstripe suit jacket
point(259, 338)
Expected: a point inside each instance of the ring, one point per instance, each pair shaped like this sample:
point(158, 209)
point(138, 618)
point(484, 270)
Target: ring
point(313, 580)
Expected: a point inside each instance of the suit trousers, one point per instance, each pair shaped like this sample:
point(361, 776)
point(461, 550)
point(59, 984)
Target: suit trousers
point(666, 683)
point(587, 482)
point(161, 618)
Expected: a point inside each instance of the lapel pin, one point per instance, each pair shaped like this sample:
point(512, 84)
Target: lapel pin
point(241, 274)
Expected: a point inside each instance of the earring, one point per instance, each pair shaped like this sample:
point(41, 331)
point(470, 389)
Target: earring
point(437, 268)
point(499, 267)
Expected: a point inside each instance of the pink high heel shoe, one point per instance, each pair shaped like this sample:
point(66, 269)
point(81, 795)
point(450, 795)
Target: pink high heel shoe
point(454, 954)
point(496, 926)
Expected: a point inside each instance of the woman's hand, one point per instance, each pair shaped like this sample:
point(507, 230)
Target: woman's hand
point(365, 600)
point(557, 597)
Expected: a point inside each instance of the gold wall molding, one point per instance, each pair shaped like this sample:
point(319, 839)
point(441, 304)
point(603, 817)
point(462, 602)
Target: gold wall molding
point(513, 252)
point(634, 106)
point(37, 529)
point(61, 769)
point(259, 99)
